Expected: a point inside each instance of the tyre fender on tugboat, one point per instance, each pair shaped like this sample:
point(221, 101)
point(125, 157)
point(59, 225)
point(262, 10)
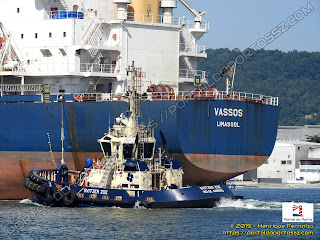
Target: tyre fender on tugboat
point(35, 178)
point(34, 186)
point(69, 197)
point(50, 193)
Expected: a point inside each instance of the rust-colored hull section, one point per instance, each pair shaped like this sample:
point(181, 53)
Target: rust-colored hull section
point(16, 166)
point(226, 163)
point(200, 171)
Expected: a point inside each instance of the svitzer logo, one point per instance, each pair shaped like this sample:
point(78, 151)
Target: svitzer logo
point(297, 212)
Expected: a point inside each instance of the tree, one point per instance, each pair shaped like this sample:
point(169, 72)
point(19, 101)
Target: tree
point(314, 138)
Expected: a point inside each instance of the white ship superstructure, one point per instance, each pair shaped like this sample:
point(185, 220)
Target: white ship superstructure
point(77, 46)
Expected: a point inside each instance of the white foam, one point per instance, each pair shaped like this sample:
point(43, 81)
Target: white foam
point(31, 201)
point(116, 207)
point(137, 206)
point(249, 204)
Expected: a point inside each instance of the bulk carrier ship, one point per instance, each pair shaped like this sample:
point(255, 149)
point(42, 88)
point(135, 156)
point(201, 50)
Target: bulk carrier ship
point(81, 49)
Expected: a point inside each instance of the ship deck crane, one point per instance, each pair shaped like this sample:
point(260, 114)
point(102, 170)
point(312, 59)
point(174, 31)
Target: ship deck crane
point(197, 15)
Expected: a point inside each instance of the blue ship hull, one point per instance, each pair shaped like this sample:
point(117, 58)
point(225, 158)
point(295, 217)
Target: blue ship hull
point(211, 142)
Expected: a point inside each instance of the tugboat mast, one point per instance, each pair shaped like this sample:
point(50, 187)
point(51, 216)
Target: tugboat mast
point(133, 118)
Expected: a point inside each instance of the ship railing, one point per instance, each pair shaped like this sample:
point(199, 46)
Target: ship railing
point(20, 88)
point(51, 68)
point(204, 25)
point(181, 96)
point(103, 68)
point(53, 15)
point(192, 48)
point(148, 18)
point(48, 174)
point(61, 68)
point(151, 18)
point(186, 73)
point(157, 167)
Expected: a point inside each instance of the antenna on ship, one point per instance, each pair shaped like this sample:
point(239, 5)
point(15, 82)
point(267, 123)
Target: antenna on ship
point(60, 98)
point(229, 72)
point(234, 73)
point(133, 96)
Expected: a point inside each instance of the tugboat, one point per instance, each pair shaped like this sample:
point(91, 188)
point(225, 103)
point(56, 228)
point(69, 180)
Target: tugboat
point(128, 174)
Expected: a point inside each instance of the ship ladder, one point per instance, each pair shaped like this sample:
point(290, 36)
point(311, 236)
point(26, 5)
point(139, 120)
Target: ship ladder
point(107, 172)
point(142, 150)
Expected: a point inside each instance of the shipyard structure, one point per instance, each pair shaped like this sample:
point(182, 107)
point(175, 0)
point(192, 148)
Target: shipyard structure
point(69, 58)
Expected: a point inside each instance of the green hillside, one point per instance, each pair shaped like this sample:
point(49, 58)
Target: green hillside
point(294, 77)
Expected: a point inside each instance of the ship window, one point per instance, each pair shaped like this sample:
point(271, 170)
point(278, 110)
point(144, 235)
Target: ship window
point(63, 51)
point(36, 35)
point(298, 148)
point(50, 34)
point(289, 162)
point(18, 10)
point(148, 150)
point(127, 150)
point(64, 34)
point(106, 148)
point(283, 162)
point(21, 36)
point(46, 52)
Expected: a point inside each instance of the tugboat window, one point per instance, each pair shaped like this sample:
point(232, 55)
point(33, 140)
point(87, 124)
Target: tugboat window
point(107, 148)
point(127, 151)
point(148, 150)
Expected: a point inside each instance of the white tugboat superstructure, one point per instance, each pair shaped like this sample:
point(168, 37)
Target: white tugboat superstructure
point(128, 150)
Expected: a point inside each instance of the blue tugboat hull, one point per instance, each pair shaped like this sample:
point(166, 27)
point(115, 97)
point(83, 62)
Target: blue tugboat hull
point(190, 197)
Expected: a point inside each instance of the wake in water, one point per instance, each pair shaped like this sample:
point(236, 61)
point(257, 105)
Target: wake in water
point(31, 201)
point(255, 204)
point(138, 206)
point(249, 204)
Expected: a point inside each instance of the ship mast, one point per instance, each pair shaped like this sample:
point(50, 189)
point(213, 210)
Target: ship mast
point(133, 118)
